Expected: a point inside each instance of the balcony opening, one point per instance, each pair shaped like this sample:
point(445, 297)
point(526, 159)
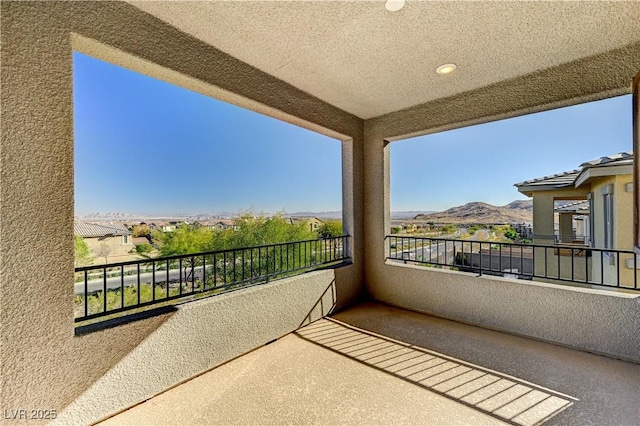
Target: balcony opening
point(179, 195)
point(546, 197)
point(572, 224)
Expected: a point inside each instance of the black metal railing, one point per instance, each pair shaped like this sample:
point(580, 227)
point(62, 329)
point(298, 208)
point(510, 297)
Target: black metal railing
point(560, 262)
point(106, 290)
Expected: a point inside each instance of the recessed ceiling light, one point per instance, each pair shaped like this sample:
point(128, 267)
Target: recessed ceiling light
point(446, 69)
point(394, 5)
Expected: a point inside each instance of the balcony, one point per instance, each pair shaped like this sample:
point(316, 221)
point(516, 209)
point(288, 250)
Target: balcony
point(572, 264)
point(120, 291)
point(377, 364)
point(358, 73)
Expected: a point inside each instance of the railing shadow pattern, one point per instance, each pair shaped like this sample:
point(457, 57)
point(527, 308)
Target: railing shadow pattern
point(496, 394)
point(325, 305)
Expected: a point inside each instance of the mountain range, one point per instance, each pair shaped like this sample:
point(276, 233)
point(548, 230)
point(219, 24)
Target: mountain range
point(476, 212)
point(517, 211)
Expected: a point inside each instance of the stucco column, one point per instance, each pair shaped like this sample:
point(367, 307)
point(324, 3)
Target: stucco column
point(376, 199)
point(566, 228)
point(543, 205)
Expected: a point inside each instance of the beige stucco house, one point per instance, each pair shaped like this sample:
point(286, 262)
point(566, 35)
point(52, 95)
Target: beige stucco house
point(353, 71)
point(110, 242)
point(313, 224)
point(219, 224)
point(587, 207)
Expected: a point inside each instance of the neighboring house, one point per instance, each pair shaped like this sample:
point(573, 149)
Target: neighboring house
point(141, 228)
point(111, 239)
point(313, 223)
point(220, 224)
point(572, 223)
point(525, 230)
point(163, 226)
point(587, 207)
point(141, 240)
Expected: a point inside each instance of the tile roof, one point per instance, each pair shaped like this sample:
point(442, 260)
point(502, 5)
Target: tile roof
point(140, 240)
point(616, 159)
point(564, 179)
point(85, 229)
point(559, 179)
point(578, 206)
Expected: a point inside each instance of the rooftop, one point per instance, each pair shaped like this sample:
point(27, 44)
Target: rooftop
point(575, 177)
point(85, 229)
point(574, 207)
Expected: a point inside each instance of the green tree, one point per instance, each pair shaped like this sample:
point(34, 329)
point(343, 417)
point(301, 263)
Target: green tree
point(185, 240)
point(273, 260)
point(261, 230)
point(143, 248)
point(511, 234)
point(141, 230)
point(82, 254)
point(449, 229)
point(331, 228)
point(238, 259)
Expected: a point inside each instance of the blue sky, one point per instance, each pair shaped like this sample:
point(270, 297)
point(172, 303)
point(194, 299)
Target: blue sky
point(149, 147)
point(481, 163)
point(145, 146)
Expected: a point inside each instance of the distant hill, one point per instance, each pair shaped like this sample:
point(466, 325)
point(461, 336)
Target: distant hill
point(477, 212)
point(119, 216)
point(338, 214)
point(320, 215)
point(409, 214)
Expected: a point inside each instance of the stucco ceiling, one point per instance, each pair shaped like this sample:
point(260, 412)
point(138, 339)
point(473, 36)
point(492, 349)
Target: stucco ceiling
point(369, 62)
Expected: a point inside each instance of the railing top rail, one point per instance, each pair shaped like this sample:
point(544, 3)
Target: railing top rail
point(206, 253)
point(565, 245)
point(578, 264)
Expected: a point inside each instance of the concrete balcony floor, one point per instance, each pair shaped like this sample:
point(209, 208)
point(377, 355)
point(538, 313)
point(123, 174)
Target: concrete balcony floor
point(376, 364)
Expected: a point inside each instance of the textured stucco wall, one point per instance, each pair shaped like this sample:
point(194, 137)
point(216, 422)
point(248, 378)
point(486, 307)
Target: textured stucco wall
point(543, 217)
point(201, 335)
point(43, 364)
point(543, 211)
point(610, 270)
point(569, 316)
point(594, 320)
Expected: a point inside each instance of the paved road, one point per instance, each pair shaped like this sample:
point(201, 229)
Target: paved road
point(480, 235)
point(430, 252)
point(97, 284)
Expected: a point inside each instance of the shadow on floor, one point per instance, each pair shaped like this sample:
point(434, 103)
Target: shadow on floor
point(504, 397)
point(604, 390)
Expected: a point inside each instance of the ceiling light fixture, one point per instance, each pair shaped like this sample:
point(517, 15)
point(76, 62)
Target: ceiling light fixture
point(446, 69)
point(394, 5)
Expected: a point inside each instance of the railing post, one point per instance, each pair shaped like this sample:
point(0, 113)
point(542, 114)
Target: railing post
point(104, 290)
point(86, 293)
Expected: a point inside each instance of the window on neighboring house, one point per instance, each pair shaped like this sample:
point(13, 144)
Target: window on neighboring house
point(607, 193)
point(125, 239)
